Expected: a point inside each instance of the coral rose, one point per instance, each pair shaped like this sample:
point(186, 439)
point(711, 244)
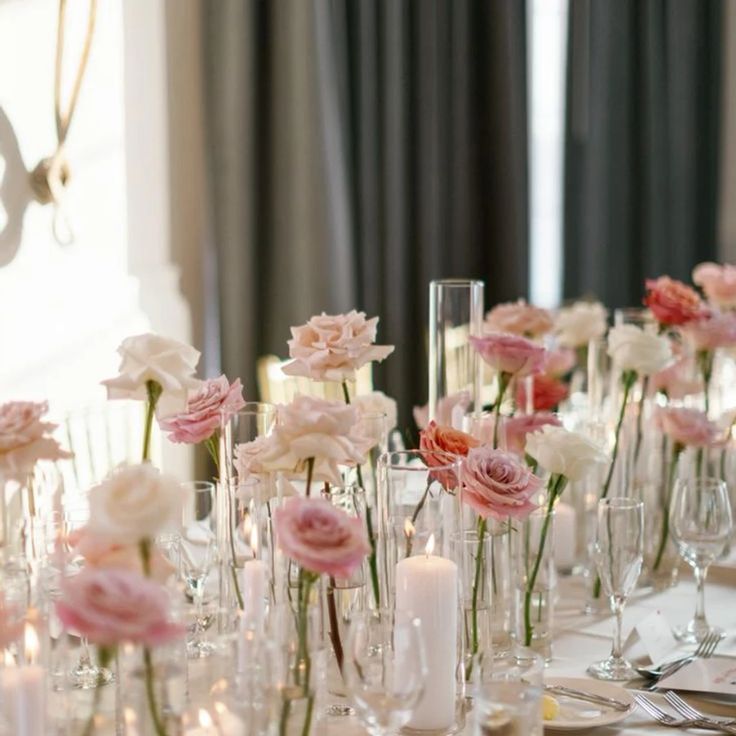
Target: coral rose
point(510, 354)
point(320, 537)
point(497, 484)
point(547, 392)
point(690, 427)
point(438, 442)
point(519, 318)
point(672, 302)
point(718, 282)
point(333, 347)
point(114, 606)
point(213, 403)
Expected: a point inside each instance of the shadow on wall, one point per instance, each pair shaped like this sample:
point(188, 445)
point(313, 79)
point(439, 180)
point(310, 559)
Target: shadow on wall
point(15, 191)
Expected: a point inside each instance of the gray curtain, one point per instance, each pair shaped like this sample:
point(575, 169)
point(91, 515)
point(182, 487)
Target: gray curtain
point(641, 184)
point(360, 148)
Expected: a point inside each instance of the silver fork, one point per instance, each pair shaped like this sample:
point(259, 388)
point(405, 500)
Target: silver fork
point(666, 719)
point(687, 711)
point(705, 649)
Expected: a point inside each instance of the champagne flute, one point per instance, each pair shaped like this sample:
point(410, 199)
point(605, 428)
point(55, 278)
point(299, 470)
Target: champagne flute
point(618, 553)
point(385, 669)
point(701, 524)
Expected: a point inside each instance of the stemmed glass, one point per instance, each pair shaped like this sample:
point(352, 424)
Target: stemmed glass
point(198, 556)
point(701, 524)
point(385, 669)
point(618, 553)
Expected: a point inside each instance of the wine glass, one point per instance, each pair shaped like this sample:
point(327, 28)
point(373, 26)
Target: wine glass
point(701, 524)
point(385, 669)
point(197, 557)
point(618, 553)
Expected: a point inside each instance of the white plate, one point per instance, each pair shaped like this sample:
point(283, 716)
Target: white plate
point(577, 715)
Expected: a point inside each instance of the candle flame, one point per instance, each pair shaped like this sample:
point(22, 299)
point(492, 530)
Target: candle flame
point(129, 717)
point(8, 659)
point(430, 545)
point(31, 643)
point(409, 529)
point(254, 541)
point(205, 719)
point(221, 708)
point(247, 526)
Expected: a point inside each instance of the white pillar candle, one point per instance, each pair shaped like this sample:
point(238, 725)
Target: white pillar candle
point(565, 536)
point(254, 594)
point(426, 587)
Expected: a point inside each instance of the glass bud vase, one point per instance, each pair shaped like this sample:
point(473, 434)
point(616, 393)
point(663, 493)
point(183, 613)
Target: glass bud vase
point(455, 313)
point(535, 581)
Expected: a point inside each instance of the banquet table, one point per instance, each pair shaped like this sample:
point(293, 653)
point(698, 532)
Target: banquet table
point(582, 639)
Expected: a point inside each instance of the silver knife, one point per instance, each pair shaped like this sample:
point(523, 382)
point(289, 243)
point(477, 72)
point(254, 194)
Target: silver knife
point(571, 692)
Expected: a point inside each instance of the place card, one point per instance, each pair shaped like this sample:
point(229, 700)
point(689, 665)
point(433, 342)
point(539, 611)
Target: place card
point(656, 636)
point(713, 675)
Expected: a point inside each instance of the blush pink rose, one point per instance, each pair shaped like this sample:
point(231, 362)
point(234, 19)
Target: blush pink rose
point(672, 302)
point(450, 410)
point(689, 427)
point(547, 392)
point(102, 553)
point(677, 380)
point(560, 361)
point(25, 438)
point(332, 347)
point(438, 442)
point(510, 354)
point(714, 330)
point(320, 537)
point(519, 318)
point(496, 484)
point(515, 429)
point(213, 403)
point(718, 282)
point(110, 607)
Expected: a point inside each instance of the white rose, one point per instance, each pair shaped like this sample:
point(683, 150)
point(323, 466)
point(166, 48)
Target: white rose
point(633, 349)
point(149, 357)
point(309, 428)
point(562, 452)
point(577, 325)
point(134, 503)
point(377, 402)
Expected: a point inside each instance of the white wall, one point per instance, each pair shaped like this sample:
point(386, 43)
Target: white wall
point(64, 309)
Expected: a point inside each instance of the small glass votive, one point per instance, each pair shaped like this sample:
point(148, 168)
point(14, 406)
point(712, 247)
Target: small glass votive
point(507, 701)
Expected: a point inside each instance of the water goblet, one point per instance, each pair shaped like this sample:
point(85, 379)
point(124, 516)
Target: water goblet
point(701, 524)
point(385, 669)
point(618, 553)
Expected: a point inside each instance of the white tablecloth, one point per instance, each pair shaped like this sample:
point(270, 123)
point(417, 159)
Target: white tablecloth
point(582, 639)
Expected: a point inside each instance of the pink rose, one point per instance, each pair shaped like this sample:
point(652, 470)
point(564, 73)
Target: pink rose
point(515, 429)
point(547, 392)
point(333, 347)
point(510, 354)
point(690, 427)
point(114, 606)
point(519, 318)
point(319, 537)
point(676, 380)
point(496, 484)
point(213, 403)
point(672, 302)
point(450, 410)
point(102, 553)
point(25, 439)
point(718, 283)
point(439, 442)
point(560, 361)
point(714, 330)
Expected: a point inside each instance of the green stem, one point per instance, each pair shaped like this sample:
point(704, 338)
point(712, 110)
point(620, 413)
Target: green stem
point(212, 445)
point(310, 472)
point(503, 382)
point(151, 693)
point(628, 379)
point(415, 516)
point(346, 392)
point(555, 483)
point(153, 391)
point(475, 643)
point(705, 360)
point(676, 450)
point(144, 547)
point(640, 418)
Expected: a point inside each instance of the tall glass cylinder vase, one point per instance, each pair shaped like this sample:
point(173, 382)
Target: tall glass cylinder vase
point(535, 581)
point(455, 313)
point(421, 517)
point(241, 499)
